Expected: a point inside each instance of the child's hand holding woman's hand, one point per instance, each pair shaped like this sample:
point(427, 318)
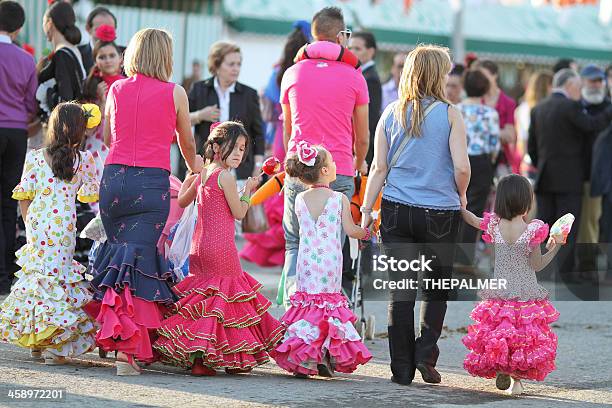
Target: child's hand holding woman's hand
point(190, 178)
point(197, 164)
point(366, 220)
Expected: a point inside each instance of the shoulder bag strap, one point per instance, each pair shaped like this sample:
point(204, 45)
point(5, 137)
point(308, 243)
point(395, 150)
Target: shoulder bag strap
point(406, 138)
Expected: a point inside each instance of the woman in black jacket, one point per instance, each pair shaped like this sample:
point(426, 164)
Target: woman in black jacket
point(222, 98)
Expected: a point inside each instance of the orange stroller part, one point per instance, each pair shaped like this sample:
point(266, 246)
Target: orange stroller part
point(270, 187)
point(357, 202)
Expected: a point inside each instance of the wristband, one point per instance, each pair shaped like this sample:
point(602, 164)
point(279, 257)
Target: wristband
point(246, 199)
point(368, 234)
point(365, 210)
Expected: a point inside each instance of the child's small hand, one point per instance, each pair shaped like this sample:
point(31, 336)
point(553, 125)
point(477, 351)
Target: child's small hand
point(554, 240)
point(251, 184)
point(190, 178)
point(551, 244)
point(102, 90)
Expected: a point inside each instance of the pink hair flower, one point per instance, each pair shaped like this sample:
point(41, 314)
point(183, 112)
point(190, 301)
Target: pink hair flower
point(306, 153)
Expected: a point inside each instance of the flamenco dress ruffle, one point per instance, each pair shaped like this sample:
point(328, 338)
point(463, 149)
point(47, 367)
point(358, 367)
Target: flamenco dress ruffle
point(267, 248)
point(512, 337)
point(132, 285)
point(320, 326)
point(45, 306)
point(222, 320)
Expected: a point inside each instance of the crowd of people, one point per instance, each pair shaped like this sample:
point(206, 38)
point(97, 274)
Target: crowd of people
point(442, 146)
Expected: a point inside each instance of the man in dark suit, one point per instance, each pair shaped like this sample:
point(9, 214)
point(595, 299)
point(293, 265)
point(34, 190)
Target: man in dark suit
point(601, 185)
point(594, 101)
point(208, 103)
point(97, 17)
point(363, 45)
point(555, 145)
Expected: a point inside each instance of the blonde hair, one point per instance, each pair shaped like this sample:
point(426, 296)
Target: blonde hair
point(218, 51)
point(538, 87)
point(424, 71)
point(150, 53)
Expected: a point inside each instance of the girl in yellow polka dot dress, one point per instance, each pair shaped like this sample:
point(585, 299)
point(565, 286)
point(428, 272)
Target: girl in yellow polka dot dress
point(44, 309)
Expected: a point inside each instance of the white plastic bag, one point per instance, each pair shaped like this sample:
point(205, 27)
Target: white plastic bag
point(94, 230)
point(178, 252)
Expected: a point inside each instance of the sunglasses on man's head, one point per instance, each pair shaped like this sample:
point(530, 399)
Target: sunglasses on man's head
point(347, 33)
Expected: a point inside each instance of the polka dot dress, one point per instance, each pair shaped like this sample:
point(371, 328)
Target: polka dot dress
point(45, 304)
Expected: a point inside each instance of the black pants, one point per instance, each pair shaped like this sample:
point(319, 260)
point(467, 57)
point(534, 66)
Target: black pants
point(551, 206)
point(477, 193)
point(408, 232)
point(13, 144)
point(605, 230)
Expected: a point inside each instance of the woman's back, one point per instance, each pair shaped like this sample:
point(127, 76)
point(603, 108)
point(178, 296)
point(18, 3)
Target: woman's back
point(424, 173)
point(142, 122)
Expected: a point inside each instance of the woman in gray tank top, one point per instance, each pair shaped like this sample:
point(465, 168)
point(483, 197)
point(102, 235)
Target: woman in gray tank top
point(420, 156)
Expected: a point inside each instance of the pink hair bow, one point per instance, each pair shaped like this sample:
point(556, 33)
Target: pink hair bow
point(213, 126)
point(306, 153)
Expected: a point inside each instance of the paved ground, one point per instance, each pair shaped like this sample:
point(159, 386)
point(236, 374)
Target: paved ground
point(583, 377)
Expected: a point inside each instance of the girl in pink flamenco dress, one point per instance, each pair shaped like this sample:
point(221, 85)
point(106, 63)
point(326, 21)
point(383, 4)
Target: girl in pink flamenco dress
point(320, 337)
point(512, 339)
point(221, 320)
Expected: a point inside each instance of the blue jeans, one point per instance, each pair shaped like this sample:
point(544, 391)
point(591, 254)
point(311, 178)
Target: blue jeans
point(291, 226)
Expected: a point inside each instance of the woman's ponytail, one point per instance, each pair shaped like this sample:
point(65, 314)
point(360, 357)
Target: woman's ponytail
point(63, 18)
point(72, 34)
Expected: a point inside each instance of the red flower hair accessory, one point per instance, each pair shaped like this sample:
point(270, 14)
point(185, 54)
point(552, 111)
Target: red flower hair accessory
point(29, 49)
point(306, 153)
point(106, 33)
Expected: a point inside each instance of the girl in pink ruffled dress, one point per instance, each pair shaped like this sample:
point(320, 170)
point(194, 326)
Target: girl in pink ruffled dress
point(512, 339)
point(320, 337)
point(221, 320)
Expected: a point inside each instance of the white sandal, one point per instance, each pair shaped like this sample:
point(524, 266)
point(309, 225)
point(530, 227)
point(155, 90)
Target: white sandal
point(36, 354)
point(516, 387)
point(52, 359)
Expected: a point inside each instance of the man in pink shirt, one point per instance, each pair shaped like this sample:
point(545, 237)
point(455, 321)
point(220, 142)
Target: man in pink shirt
point(324, 102)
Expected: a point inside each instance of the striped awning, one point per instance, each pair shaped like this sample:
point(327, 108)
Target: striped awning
point(543, 32)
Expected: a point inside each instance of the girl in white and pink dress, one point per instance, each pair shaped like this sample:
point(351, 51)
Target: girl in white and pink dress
point(512, 339)
point(320, 337)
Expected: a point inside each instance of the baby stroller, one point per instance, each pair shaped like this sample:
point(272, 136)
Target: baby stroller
point(352, 279)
